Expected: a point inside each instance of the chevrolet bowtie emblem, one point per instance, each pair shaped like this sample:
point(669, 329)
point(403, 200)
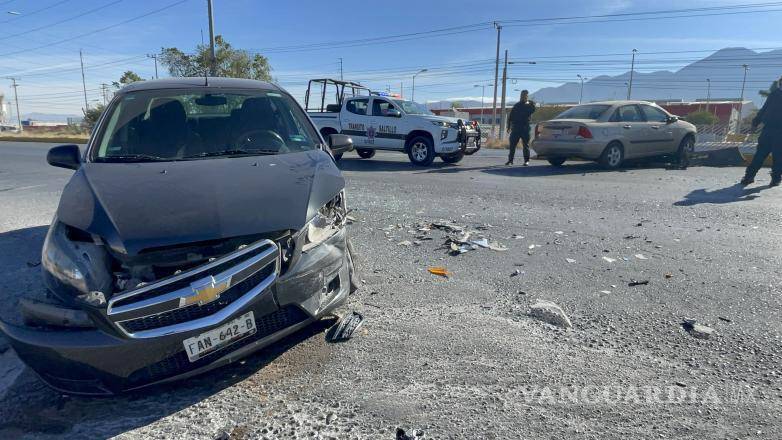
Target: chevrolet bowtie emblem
point(205, 291)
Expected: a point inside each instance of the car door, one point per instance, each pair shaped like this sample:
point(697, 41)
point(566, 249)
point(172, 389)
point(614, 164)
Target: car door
point(661, 130)
point(355, 121)
point(634, 130)
point(387, 122)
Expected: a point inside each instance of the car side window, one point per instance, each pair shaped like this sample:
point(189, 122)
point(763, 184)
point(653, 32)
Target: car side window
point(381, 107)
point(627, 113)
point(654, 114)
point(357, 106)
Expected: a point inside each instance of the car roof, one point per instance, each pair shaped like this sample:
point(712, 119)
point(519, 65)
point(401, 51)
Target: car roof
point(620, 102)
point(198, 81)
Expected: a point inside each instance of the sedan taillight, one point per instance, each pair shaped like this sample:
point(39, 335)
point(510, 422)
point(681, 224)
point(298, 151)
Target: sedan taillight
point(584, 132)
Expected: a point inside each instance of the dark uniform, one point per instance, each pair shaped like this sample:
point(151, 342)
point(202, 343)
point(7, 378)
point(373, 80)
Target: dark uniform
point(518, 122)
point(770, 141)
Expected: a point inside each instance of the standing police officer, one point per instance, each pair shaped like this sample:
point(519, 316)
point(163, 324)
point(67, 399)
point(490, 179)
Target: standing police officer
point(519, 126)
point(770, 141)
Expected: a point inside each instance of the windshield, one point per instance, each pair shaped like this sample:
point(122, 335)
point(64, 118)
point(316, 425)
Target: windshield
point(182, 124)
point(412, 108)
point(591, 111)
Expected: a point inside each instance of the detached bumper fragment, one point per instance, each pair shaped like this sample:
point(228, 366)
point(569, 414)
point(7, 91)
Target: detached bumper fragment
point(36, 314)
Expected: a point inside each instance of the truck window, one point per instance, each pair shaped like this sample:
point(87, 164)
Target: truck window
point(381, 107)
point(357, 106)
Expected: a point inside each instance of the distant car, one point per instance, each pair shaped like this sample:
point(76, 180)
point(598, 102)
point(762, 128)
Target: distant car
point(612, 132)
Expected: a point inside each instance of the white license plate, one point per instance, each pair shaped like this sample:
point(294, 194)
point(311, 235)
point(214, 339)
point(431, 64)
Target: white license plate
point(215, 339)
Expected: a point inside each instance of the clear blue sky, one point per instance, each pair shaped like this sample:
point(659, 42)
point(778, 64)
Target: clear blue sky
point(32, 46)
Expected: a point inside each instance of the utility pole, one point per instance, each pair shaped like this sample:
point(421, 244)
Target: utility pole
point(83, 82)
point(496, 73)
point(741, 100)
point(412, 93)
point(502, 105)
point(708, 93)
point(483, 92)
point(212, 57)
point(104, 90)
point(154, 57)
point(16, 100)
point(581, 95)
point(632, 70)
point(341, 78)
point(401, 89)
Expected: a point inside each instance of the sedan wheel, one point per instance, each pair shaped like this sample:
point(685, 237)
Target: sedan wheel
point(612, 156)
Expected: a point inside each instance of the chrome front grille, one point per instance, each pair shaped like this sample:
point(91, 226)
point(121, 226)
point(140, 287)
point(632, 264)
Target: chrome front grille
point(200, 297)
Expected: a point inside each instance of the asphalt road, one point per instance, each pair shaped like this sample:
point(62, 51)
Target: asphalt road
point(460, 357)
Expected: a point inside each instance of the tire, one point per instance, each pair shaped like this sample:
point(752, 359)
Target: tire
point(365, 153)
point(557, 161)
point(612, 156)
point(686, 148)
point(453, 158)
point(420, 150)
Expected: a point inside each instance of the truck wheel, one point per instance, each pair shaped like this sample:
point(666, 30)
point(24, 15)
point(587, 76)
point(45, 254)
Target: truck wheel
point(365, 153)
point(453, 158)
point(612, 156)
point(421, 151)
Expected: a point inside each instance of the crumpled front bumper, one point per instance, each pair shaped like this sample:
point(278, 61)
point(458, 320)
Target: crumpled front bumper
point(101, 361)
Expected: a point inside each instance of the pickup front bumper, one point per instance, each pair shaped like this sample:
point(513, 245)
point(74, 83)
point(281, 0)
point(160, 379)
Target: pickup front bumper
point(117, 356)
point(464, 139)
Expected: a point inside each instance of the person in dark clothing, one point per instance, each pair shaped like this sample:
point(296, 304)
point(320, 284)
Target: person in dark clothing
point(770, 141)
point(519, 126)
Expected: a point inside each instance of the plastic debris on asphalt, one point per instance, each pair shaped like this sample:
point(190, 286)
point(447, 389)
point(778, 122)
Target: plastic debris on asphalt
point(641, 257)
point(610, 260)
point(697, 330)
point(570, 260)
point(634, 283)
point(441, 271)
point(344, 329)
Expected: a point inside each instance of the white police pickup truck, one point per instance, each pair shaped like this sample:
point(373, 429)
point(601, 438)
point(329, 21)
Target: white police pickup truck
point(379, 122)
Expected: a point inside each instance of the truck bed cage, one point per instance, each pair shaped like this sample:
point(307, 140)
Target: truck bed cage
point(353, 89)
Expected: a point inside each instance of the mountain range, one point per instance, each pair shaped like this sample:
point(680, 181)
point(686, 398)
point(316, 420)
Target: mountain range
point(723, 68)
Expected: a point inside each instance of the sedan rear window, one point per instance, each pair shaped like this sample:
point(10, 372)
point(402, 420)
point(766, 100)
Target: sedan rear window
point(590, 111)
point(182, 124)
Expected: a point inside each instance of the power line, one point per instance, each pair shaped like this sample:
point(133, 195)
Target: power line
point(105, 28)
point(65, 20)
point(27, 14)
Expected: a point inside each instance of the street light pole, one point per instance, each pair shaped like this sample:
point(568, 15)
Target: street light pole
point(212, 57)
point(708, 93)
point(632, 70)
point(741, 100)
point(496, 73)
point(412, 92)
point(483, 92)
point(581, 95)
point(341, 78)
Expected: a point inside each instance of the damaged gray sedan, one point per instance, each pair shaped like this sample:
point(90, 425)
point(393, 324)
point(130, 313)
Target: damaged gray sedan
point(205, 221)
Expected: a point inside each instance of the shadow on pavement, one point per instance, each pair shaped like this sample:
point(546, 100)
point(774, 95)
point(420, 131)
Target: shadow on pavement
point(731, 194)
point(29, 408)
point(363, 165)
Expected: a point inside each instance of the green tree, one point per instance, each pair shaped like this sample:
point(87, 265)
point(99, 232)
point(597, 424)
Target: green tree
point(702, 118)
point(230, 62)
point(128, 77)
point(91, 116)
point(547, 112)
point(456, 104)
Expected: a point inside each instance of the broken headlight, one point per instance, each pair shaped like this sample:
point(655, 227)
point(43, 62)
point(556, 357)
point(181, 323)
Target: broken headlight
point(329, 220)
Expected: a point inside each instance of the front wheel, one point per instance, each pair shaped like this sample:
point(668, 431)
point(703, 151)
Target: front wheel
point(557, 161)
point(453, 158)
point(365, 153)
point(612, 156)
point(421, 151)
point(686, 148)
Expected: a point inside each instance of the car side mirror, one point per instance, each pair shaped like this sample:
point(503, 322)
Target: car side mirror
point(340, 143)
point(393, 113)
point(64, 156)
point(672, 119)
